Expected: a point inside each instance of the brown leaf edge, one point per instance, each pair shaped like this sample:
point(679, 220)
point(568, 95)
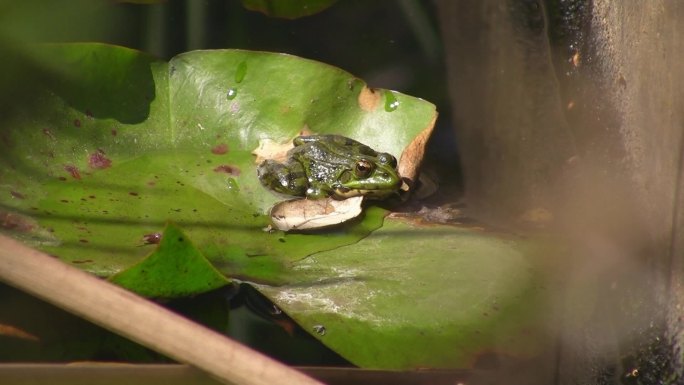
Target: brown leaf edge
point(412, 156)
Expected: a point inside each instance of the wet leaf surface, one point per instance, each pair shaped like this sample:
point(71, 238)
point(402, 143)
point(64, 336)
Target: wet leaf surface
point(418, 296)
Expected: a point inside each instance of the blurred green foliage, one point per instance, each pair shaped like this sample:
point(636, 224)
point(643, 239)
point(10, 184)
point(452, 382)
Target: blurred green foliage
point(292, 9)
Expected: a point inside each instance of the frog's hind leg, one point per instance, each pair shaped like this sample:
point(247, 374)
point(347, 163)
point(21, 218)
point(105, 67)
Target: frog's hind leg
point(286, 178)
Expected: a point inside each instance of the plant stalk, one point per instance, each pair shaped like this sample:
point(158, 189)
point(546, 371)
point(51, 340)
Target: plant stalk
point(136, 318)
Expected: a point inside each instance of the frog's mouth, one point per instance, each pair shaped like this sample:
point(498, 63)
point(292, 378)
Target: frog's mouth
point(344, 192)
point(378, 192)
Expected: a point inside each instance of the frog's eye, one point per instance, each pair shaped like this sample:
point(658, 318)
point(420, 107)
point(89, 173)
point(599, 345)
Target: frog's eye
point(363, 168)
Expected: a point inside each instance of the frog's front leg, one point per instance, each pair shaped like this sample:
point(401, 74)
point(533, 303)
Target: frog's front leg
point(318, 191)
point(288, 178)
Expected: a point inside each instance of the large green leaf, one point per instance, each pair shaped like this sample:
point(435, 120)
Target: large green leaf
point(122, 143)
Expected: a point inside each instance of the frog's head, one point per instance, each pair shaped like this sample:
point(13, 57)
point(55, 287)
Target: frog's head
point(375, 177)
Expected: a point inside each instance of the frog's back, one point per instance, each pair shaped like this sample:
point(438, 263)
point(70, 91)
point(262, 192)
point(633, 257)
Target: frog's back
point(329, 148)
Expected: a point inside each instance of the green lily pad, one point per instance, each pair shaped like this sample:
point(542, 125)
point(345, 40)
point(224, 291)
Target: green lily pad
point(422, 296)
point(120, 143)
point(175, 269)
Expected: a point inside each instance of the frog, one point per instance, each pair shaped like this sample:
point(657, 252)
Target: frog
point(329, 165)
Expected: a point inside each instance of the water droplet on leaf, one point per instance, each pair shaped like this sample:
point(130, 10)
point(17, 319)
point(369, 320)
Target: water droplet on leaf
point(231, 94)
point(232, 184)
point(391, 102)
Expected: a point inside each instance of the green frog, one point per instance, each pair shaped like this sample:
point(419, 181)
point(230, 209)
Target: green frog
point(334, 166)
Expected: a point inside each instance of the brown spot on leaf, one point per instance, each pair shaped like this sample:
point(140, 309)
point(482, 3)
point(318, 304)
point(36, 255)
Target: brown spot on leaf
point(79, 261)
point(73, 170)
point(152, 238)
point(114, 132)
point(48, 133)
point(12, 221)
point(83, 240)
point(77, 122)
point(368, 99)
point(98, 160)
point(17, 194)
point(133, 193)
point(220, 149)
point(228, 169)
point(89, 114)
